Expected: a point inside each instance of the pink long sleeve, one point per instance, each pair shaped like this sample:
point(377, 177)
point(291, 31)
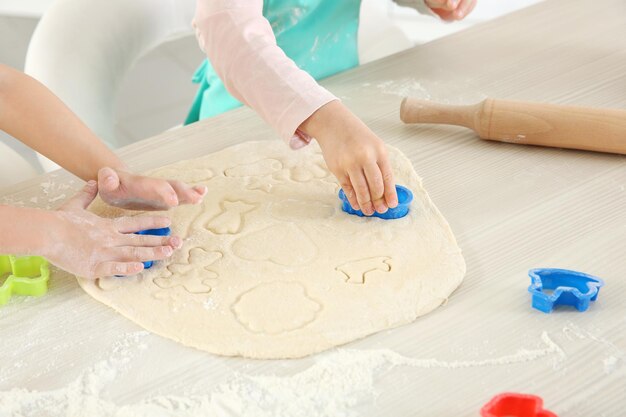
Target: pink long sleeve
point(242, 49)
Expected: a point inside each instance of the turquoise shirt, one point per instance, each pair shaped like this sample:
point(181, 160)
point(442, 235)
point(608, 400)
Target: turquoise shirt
point(320, 36)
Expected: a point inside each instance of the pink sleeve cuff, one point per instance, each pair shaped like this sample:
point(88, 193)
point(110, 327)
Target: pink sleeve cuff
point(297, 113)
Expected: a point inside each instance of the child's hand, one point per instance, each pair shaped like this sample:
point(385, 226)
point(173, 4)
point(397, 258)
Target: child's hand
point(450, 10)
point(130, 191)
point(356, 156)
point(91, 246)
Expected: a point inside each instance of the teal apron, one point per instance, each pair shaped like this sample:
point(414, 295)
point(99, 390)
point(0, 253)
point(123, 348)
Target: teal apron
point(320, 36)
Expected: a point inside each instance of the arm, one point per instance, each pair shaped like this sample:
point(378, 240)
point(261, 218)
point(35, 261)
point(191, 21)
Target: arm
point(81, 242)
point(71, 237)
point(32, 114)
point(26, 228)
point(242, 49)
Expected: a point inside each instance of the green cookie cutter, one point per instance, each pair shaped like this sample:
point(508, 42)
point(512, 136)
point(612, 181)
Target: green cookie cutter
point(28, 275)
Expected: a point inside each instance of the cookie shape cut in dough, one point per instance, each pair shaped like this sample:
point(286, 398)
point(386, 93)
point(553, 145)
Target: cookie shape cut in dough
point(276, 307)
point(356, 271)
point(194, 275)
point(285, 271)
point(231, 218)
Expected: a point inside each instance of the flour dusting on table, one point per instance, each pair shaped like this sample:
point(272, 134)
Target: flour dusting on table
point(336, 383)
point(450, 92)
point(404, 87)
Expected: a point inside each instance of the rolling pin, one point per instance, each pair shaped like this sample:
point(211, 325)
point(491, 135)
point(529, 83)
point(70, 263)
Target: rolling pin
point(591, 129)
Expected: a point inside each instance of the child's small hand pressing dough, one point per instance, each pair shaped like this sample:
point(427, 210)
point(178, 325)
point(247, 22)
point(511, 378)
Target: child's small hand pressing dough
point(135, 192)
point(356, 156)
point(91, 246)
point(450, 10)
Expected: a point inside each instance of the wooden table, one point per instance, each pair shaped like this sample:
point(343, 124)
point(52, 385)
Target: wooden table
point(512, 208)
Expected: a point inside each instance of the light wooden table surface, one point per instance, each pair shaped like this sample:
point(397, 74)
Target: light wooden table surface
point(511, 207)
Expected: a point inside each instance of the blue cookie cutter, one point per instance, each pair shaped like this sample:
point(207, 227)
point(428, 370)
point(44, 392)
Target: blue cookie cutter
point(165, 231)
point(405, 196)
point(567, 287)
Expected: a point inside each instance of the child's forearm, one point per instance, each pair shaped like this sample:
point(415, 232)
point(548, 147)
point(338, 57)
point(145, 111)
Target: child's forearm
point(23, 230)
point(31, 113)
point(242, 49)
point(332, 120)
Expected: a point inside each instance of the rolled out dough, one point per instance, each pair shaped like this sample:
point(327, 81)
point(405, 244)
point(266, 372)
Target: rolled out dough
point(272, 267)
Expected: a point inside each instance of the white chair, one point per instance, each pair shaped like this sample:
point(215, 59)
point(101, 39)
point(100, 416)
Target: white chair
point(82, 49)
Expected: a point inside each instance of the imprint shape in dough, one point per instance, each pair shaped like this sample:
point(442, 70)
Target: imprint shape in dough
point(271, 267)
point(254, 312)
point(194, 275)
point(231, 219)
point(355, 271)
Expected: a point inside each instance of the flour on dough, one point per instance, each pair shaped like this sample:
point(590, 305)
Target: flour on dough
point(285, 272)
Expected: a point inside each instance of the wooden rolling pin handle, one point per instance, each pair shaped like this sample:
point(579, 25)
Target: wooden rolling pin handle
point(593, 129)
point(423, 111)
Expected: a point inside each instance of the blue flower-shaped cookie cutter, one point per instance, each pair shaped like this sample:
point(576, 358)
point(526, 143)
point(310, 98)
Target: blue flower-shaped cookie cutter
point(405, 196)
point(165, 231)
point(551, 287)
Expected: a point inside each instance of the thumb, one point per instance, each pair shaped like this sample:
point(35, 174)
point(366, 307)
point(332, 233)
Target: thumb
point(108, 180)
point(84, 197)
